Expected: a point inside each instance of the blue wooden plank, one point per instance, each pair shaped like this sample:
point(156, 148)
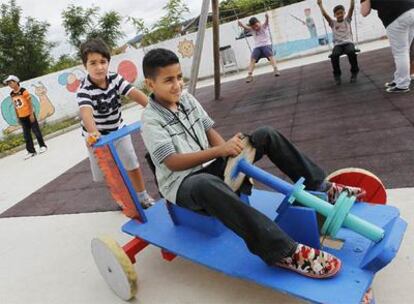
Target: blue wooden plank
point(227, 253)
point(104, 140)
point(292, 217)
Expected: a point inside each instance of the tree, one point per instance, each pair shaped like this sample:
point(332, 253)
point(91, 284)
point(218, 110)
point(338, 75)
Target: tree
point(167, 27)
point(84, 23)
point(24, 49)
point(243, 8)
point(64, 62)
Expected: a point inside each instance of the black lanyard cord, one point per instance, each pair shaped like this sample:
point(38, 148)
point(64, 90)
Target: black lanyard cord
point(193, 134)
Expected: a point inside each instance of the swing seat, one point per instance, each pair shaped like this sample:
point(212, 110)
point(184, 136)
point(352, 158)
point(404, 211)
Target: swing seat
point(356, 51)
point(262, 58)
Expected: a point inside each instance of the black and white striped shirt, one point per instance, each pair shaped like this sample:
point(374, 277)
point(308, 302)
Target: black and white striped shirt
point(105, 103)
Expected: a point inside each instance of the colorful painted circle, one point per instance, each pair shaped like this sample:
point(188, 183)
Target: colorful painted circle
point(63, 78)
point(8, 113)
point(79, 73)
point(128, 70)
point(71, 78)
point(73, 87)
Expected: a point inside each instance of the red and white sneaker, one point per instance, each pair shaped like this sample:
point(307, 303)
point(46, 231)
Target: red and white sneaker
point(311, 262)
point(336, 189)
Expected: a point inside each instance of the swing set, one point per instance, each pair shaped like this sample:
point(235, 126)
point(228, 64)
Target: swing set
point(355, 37)
point(244, 33)
point(357, 49)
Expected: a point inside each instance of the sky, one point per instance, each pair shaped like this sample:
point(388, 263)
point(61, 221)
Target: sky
point(50, 11)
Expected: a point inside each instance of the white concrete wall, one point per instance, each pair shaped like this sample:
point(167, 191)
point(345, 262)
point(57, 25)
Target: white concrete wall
point(290, 38)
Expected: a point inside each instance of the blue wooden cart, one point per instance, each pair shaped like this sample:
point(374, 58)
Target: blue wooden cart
point(204, 240)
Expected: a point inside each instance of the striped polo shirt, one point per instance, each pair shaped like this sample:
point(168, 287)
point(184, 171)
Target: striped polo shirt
point(164, 134)
point(105, 103)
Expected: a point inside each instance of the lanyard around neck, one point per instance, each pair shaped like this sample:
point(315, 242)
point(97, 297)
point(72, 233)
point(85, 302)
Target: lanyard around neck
point(193, 134)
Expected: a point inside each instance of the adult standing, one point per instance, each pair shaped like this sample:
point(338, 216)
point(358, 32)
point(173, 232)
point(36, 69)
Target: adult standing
point(398, 19)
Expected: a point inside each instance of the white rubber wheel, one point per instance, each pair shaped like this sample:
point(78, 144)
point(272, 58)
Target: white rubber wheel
point(115, 267)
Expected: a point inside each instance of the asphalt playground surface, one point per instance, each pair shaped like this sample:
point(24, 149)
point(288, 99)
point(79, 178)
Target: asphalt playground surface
point(352, 125)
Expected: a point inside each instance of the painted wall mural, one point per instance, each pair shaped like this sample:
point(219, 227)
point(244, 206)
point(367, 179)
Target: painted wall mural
point(9, 115)
point(128, 70)
point(297, 30)
point(43, 107)
point(46, 107)
point(186, 48)
point(71, 79)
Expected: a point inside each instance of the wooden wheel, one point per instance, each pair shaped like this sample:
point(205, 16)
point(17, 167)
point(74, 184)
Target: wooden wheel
point(357, 177)
point(248, 153)
point(115, 267)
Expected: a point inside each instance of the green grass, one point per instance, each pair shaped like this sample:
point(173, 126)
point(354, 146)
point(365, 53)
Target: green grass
point(11, 141)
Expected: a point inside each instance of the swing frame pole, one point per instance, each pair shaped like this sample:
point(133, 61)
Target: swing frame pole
point(216, 48)
point(195, 67)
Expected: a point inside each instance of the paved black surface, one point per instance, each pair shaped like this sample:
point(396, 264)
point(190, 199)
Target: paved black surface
point(353, 125)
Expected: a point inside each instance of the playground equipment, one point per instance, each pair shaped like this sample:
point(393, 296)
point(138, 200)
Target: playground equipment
point(337, 215)
point(204, 240)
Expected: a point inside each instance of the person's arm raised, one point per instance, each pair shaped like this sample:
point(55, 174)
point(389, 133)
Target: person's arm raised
point(247, 28)
point(351, 9)
point(266, 23)
point(324, 13)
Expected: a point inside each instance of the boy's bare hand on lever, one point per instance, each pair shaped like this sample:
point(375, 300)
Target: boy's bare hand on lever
point(233, 146)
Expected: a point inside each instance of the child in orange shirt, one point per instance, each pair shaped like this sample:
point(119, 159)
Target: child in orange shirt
point(23, 106)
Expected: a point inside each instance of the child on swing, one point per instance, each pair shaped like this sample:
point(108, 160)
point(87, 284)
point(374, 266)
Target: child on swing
point(342, 38)
point(263, 44)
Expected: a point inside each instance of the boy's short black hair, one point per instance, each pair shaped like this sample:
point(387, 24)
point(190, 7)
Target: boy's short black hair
point(253, 21)
point(157, 58)
point(95, 45)
point(338, 8)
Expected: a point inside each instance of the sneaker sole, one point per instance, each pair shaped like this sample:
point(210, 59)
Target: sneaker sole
point(404, 91)
point(313, 276)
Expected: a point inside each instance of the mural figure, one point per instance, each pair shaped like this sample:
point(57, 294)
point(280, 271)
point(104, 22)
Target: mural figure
point(186, 48)
point(46, 107)
point(308, 22)
point(71, 80)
